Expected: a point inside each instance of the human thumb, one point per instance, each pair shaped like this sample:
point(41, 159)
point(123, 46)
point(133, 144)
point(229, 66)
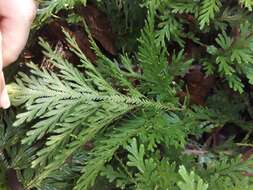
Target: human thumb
point(4, 98)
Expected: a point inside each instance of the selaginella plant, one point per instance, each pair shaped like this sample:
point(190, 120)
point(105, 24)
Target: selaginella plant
point(171, 110)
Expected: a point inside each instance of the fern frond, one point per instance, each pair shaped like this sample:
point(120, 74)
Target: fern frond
point(184, 7)
point(71, 107)
point(105, 149)
point(227, 173)
point(169, 30)
point(235, 55)
point(153, 61)
point(191, 181)
point(247, 4)
point(47, 8)
point(207, 11)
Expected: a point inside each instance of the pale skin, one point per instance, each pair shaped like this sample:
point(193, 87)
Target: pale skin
point(16, 17)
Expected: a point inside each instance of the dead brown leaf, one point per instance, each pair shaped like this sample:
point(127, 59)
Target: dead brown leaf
point(100, 27)
point(199, 85)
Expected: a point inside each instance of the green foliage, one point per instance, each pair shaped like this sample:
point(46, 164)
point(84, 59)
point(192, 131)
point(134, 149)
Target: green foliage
point(106, 148)
point(2, 178)
point(234, 57)
point(247, 3)
point(129, 121)
point(191, 181)
point(207, 12)
point(184, 6)
point(127, 19)
point(170, 29)
point(48, 8)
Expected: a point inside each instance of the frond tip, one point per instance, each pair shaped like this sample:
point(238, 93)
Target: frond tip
point(191, 181)
point(207, 11)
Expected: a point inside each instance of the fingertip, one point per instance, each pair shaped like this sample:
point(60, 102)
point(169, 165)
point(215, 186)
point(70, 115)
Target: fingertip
point(5, 100)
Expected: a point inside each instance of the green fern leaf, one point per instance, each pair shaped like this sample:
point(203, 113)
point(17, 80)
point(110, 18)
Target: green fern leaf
point(191, 181)
point(207, 11)
point(247, 4)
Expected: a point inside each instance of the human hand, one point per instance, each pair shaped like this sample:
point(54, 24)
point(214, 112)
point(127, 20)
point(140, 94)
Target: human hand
point(16, 17)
